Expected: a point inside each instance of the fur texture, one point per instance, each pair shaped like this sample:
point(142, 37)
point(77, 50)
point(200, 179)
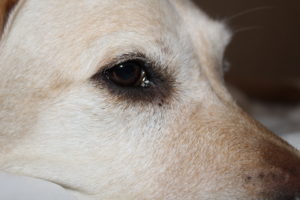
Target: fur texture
point(58, 125)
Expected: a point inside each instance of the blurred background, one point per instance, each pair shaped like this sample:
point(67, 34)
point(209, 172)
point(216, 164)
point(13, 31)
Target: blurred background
point(264, 58)
point(265, 51)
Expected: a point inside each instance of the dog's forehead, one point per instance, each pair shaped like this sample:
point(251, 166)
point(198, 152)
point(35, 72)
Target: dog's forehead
point(73, 39)
point(60, 33)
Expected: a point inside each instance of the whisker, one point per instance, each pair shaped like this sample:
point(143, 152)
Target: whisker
point(250, 28)
point(247, 12)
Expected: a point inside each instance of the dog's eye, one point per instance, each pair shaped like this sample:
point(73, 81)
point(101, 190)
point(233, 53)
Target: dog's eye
point(135, 78)
point(128, 74)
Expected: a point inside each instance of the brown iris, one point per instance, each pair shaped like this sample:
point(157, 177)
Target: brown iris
point(128, 74)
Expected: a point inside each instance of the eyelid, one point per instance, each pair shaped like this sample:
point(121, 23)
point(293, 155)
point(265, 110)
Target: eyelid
point(126, 57)
point(138, 56)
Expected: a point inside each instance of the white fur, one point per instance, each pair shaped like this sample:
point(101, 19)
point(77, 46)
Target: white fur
point(58, 126)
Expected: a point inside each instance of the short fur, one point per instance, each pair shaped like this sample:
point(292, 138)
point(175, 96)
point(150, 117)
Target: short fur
point(56, 124)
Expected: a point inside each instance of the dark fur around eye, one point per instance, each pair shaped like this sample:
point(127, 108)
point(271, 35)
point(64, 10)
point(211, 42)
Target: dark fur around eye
point(160, 88)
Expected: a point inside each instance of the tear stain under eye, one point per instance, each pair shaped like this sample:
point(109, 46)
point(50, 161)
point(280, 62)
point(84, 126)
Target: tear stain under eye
point(158, 86)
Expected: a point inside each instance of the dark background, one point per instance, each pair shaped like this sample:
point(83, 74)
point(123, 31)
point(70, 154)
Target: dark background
point(265, 50)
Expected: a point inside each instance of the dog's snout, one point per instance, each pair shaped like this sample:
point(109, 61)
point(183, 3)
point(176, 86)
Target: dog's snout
point(274, 184)
point(277, 177)
point(281, 177)
point(265, 167)
point(276, 173)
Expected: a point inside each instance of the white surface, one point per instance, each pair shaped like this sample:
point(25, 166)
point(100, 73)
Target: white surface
point(25, 188)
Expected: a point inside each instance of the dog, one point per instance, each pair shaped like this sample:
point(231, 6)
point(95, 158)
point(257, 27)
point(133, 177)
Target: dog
point(125, 100)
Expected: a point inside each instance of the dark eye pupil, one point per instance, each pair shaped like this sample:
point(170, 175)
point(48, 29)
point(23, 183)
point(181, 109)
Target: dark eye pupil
point(126, 74)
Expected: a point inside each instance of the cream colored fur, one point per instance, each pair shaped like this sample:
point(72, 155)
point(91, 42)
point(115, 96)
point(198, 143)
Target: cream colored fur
point(56, 125)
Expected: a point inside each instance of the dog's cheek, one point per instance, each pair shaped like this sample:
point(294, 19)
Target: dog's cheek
point(79, 125)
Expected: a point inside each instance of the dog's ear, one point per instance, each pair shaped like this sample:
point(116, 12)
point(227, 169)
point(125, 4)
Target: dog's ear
point(6, 6)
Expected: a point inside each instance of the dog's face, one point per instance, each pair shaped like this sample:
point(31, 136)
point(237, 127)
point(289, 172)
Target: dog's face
point(125, 100)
